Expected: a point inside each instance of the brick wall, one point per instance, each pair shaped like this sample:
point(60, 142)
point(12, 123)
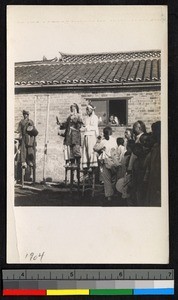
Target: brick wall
point(142, 105)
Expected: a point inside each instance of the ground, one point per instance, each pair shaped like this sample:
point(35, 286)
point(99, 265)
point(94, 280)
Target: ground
point(59, 195)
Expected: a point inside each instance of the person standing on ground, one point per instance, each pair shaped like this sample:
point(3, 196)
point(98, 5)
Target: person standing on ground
point(139, 129)
point(107, 146)
point(154, 167)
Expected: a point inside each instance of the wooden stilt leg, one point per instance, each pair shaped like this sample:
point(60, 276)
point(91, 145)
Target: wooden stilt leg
point(78, 178)
point(71, 179)
point(34, 162)
point(66, 176)
point(93, 183)
point(78, 174)
point(83, 185)
point(34, 174)
point(23, 176)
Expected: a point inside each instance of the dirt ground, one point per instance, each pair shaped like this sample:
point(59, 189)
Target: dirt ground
point(59, 195)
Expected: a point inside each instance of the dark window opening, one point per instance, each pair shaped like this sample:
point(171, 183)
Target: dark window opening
point(112, 112)
point(118, 109)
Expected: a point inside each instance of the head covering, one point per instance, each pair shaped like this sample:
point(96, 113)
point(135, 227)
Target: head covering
point(25, 112)
point(76, 106)
point(90, 106)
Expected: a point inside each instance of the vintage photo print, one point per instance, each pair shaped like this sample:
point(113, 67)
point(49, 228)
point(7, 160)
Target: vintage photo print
point(87, 124)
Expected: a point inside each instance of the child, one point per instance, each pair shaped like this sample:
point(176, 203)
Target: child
point(120, 150)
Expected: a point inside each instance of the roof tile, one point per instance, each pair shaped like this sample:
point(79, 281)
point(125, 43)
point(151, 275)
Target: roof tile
point(96, 68)
point(140, 72)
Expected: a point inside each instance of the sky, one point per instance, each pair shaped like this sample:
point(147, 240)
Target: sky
point(37, 31)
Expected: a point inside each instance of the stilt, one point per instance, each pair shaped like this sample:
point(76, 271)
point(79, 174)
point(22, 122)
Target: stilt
point(90, 176)
point(93, 183)
point(78, 173)
point(34, 163)
point(66, 169)
point(71, 179)
point(23, 176)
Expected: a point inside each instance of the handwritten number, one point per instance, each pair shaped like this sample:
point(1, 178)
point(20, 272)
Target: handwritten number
point(35, 256)
point(31, 255)
point(41, 255)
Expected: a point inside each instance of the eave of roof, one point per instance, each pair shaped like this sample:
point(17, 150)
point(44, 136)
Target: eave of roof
point(144, 69)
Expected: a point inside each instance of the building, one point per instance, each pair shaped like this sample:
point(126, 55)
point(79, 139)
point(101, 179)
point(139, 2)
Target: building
point(127, 85)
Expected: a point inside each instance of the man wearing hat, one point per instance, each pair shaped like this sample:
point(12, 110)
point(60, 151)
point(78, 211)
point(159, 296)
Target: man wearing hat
point(89, 156)
point(27, 132)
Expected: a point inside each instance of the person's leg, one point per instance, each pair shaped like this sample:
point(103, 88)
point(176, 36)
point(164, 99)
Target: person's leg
point(107, 178)
point(23, 152)
point(85, 157)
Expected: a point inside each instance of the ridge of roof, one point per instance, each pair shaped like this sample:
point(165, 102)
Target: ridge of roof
point(95, 57)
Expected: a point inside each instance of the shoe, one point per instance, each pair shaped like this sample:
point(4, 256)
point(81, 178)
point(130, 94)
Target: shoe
point(74, 166)
point(24, 165)
point(67, 165)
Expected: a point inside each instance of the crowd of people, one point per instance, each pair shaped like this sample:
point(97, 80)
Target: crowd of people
point(129, 166)
point(132, 165)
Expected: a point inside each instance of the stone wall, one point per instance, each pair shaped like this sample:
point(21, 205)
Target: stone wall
point(142, 105)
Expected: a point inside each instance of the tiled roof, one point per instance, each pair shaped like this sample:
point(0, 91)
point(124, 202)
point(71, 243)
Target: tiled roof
point(91, 69)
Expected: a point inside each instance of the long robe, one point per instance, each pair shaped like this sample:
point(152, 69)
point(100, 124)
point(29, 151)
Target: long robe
point(108, 175)
point(27, 141)
point(89, 156)
point(154, 177)
point(72, 136)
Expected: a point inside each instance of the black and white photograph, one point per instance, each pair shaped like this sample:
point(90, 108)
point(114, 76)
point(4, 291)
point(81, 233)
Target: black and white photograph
point(88, 109)
point(88, 127)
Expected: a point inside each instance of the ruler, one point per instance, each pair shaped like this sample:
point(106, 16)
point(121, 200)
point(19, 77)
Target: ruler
point(88, 282)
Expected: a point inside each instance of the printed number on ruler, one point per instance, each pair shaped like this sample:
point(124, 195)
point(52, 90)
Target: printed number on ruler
point(35, 256)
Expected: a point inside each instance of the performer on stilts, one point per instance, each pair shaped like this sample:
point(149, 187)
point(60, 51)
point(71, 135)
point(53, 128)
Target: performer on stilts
point(27, 133)
point(89, 156)
point(72, 136)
